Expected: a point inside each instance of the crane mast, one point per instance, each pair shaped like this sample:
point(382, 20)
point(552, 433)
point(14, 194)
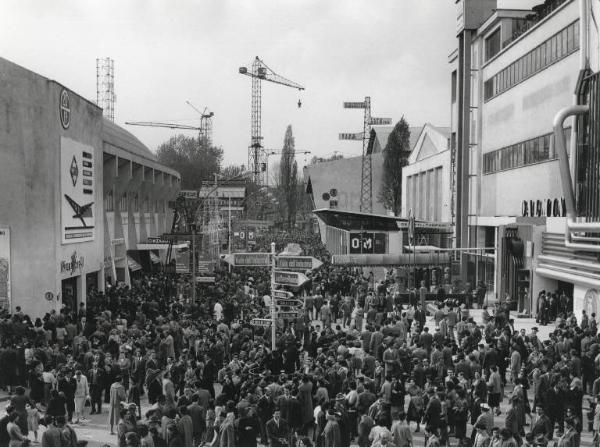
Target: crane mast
point(257, 156)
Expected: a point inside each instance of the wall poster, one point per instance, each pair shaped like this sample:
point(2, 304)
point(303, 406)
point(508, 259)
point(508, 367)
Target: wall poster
point(77, 183)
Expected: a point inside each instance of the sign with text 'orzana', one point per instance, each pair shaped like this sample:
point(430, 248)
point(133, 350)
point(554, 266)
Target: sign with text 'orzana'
point(248, 259)
point(290, 278)
point(297, 262)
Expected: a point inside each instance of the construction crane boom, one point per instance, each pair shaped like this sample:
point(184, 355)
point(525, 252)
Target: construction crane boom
point(168, 125)
point(257, 156)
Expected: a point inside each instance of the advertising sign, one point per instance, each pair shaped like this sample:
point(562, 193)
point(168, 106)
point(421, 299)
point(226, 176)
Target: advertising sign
point(367, 243)
point(77, 183)
point(354, 105)
point(4, 267)
point(290, 278)
point(248, 259)
point(297, 262)
point(351, 136)
point(381, 121)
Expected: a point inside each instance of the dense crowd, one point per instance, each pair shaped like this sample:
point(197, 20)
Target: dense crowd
point(360, 366)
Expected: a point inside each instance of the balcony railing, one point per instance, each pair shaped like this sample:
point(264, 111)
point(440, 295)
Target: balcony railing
point(540, 12)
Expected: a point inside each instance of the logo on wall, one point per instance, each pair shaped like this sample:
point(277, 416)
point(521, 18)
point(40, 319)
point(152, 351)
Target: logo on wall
point(64, 109)
point(77, 191)
point(71, 267)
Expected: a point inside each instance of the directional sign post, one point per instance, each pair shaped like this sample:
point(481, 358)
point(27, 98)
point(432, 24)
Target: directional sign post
point(294, 279)
point(290, 315)
point(282, 294)
point(358, 136)
point(262, 322)
point(297, 263)
point(248, 259)
point(288, 303)
point(380, 121)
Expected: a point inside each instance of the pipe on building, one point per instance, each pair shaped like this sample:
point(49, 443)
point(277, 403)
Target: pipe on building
point(571, 262)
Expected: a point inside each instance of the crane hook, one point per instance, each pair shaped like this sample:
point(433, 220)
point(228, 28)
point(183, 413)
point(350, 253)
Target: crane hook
point(299, 103)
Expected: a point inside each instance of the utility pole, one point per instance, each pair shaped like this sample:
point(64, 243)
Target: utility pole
point(273, 329)
point(193, 263)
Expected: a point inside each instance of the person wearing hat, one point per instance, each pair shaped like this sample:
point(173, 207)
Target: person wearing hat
point(570, 437)
point(332, 436)
point(542, 425)
point(117, 395)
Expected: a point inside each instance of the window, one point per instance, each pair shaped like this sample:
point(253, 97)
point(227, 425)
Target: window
point(558, 46)
point(527, 152)
point(109, 201)
point(123, 202)
point(492, 45)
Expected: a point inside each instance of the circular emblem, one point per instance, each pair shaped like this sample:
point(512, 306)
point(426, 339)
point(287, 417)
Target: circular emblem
point(64, 109)
point(590, 302)
point(325, 196)
point(49, 296)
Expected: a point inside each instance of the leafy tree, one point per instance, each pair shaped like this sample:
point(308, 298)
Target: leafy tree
point(395, 157)
point(288, 178)
point(194, 160)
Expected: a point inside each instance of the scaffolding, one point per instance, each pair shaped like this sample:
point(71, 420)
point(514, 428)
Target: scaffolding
point(105, 87)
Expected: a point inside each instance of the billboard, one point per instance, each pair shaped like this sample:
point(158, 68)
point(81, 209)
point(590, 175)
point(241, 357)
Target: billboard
point(4, 268)
point(368, 243)
point(77, 183)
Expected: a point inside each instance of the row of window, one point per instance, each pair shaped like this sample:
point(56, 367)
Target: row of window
point(148, 206)
point(521, 154)
point(555, 48)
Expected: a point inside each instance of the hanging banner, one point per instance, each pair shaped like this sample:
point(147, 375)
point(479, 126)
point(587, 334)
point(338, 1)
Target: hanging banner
point(4, 268)
point(77, 185)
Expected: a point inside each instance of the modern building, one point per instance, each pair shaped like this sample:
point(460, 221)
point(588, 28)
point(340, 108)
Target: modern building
point(79, 194)
point(513, 72)
point(336, 184)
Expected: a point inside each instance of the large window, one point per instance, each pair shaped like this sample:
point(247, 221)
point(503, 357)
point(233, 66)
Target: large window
point(525, 153)
point(492, 45)
point(557, 47)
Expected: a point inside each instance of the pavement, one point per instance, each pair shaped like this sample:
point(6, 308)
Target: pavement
point(97, 432)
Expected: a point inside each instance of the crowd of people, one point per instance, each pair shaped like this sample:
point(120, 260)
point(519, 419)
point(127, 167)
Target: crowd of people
point(359, 366)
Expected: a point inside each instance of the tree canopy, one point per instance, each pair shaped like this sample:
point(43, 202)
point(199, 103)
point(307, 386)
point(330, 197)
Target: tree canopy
point(288, 177)
point(395, 157)
point(193, 159)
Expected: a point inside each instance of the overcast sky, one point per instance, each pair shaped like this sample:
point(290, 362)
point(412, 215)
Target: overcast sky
point(167, 52)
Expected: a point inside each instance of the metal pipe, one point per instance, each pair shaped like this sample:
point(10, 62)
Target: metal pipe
point(570, 271)
point(573, 262)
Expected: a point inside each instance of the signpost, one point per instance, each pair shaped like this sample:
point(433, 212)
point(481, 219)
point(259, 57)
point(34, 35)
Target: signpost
point(247, 259)
point(288, 303)
point(297, 263)
point(294, 279)
point(380, 121)
point(262, 322)
point(205, 279)
point(282, 294)
point(290, 315)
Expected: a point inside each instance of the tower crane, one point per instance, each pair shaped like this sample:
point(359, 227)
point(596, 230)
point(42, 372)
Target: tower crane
point(204, 130)
point(257, 156)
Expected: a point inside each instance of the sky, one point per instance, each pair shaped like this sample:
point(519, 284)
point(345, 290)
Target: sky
point(167, 52)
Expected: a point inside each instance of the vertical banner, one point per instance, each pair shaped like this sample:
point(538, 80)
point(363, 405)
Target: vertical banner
point(77, 185)
point(4, 268)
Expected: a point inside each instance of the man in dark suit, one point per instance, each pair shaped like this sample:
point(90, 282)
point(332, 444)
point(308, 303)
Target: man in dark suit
point(198, 415)
point(542, 425)
point(278, 431)
point(433, 412)
point(420, 315)
point(97, 380)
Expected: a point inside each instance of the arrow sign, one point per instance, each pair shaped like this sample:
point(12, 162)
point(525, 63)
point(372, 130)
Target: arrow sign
point(288, 315)
point(248, 259)
point(354, 105)
point(288, 303)
point(282, 294)
point(297, 262)
point(263, 322)
point(351, 136)
point(380, 121)
point(290, 278)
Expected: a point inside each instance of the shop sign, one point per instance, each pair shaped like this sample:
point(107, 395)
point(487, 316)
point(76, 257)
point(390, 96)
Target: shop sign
point(157, 240)
point(71, 267)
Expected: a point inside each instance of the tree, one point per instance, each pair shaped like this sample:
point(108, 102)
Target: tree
point(395, 157)
point(288, 178)
point(194, 160)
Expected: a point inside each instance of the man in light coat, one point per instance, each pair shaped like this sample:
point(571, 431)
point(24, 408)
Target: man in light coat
point(82, 392)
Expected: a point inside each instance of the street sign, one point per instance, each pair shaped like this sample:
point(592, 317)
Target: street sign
point(290, 278)
point(204, 266)
point(354, 105)
point(352, 136)
point(205, 279)
point(380, 121)
point(288, 303)
point(282, 294)
point(297, 263)
point(248, 259)
point(263, 322)
point(291, 315)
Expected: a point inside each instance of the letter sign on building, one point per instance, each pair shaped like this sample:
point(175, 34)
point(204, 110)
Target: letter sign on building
point(64, 109)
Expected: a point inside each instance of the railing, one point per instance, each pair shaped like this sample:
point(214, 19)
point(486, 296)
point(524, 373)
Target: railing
point(539, 14)
point(583, 209)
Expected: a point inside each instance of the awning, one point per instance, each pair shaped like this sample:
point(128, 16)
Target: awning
point(161, 246)
point(155, 259)
point(132, 264)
